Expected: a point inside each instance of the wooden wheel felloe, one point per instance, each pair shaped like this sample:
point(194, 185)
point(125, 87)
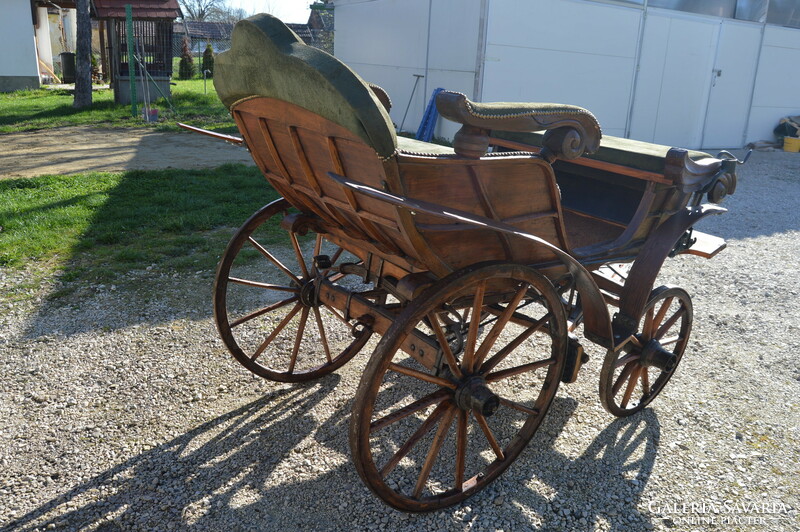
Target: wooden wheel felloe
point(266, 302)
point(458, 386)
point(634, 375)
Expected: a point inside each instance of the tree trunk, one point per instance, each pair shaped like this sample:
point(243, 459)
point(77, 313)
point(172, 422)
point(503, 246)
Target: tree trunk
point(83, 56)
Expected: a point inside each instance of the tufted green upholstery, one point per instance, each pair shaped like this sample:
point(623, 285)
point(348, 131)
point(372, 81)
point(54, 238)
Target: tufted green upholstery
point(268, 59)
point(626, 152)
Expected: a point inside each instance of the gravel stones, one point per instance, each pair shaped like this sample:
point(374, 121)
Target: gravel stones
point(122, 411)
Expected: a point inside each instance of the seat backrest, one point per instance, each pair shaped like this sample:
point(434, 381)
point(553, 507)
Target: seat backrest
point(268, 59)
point(303, 115)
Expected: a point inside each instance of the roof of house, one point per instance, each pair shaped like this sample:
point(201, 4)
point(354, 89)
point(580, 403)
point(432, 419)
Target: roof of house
point(303, 31)
point(142, 9)
point(204, 30)
point(321, 19)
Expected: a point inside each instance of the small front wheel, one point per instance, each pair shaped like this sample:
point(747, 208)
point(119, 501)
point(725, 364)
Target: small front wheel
point(634, 375)
point(458, 386)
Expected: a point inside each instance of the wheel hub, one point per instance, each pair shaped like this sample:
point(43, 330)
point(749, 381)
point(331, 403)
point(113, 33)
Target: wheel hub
point(473, 394)
point(653, 355)
point(308, 293)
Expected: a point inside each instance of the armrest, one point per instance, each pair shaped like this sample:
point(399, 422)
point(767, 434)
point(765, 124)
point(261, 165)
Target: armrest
point(381, 95)
point(571, 130)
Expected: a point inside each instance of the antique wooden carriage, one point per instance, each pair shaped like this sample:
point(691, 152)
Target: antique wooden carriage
point(477, 265)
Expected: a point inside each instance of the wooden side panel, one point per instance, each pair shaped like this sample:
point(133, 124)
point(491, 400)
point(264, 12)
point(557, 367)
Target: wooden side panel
point(517, 190)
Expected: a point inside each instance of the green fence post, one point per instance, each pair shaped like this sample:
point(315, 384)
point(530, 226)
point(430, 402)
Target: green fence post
point(131, 62)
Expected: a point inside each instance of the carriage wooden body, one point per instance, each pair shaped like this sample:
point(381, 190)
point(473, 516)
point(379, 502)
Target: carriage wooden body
point(454, 247)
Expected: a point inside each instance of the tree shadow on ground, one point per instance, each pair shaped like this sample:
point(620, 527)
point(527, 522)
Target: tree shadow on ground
point(221, 475)
point(154, 235)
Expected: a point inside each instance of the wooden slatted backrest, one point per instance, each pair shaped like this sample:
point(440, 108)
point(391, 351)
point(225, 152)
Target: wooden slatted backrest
point(296, 149)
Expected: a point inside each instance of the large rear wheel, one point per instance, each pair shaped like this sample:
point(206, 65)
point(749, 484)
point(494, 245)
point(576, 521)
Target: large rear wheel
point(458, 386)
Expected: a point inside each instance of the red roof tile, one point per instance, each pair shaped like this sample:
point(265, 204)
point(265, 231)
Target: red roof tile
point(168, 9)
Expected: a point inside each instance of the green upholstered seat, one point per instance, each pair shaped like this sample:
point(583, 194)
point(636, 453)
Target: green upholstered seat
point(418, 147)
point(268, 59)
point(625, 152)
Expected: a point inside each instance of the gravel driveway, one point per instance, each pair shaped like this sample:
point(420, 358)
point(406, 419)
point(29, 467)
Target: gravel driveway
point(121, 410)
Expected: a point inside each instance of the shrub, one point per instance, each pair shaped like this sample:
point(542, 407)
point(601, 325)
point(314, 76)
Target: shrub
point(208, 61)
point(186, 65)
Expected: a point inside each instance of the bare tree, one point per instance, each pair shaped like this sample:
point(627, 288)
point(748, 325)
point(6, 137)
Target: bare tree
point(211, 11)
point(230, 14)
point(200, 9)
point(83, 56)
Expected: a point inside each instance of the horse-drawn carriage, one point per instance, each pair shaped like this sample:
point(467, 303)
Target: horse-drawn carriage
point(477, 265)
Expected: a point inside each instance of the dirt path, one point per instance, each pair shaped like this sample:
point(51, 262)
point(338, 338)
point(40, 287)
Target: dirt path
point(71, 150)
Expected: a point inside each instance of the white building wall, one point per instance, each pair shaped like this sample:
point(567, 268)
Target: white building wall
point(777, 89)
point(18, 70)
point(563, 51)
point(386, 42)
point(674, 79)
point(646, 74)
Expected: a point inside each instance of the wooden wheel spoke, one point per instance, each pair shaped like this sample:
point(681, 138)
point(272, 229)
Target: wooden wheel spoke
point(277, 331)
point(499, 325)
point(625, 359)
point(423, 429)
point(261, 249)
point(323, 337)
point(516, 370)
point(517, 406)
point(298, 339)
point(317, 245)
point(422, 376)
point(670, 322)
point(645, 382)
point(498, 451)
point(416, 406)
point(647, 327)
point(671, 340)
point(336, 255)
point(662, 312)
point(339, 316)
point(433, 452)
point(626, 372)
point(461, 449)
point(516, 342)
point(267, 286)
point(631, 386)
point(449, 357)
point(300, 260)
point(474, 325)
point(260, 312)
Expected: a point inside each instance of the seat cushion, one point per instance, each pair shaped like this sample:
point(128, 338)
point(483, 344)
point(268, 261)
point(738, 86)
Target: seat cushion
point(418, 147)
point(616, 150)
point(268, 59)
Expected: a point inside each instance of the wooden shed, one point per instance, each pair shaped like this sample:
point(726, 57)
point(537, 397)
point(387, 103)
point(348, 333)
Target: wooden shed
point(152, 42)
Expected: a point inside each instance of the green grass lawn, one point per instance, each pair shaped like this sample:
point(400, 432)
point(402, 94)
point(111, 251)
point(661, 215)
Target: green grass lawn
point(97, 226)
point(195, 103)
